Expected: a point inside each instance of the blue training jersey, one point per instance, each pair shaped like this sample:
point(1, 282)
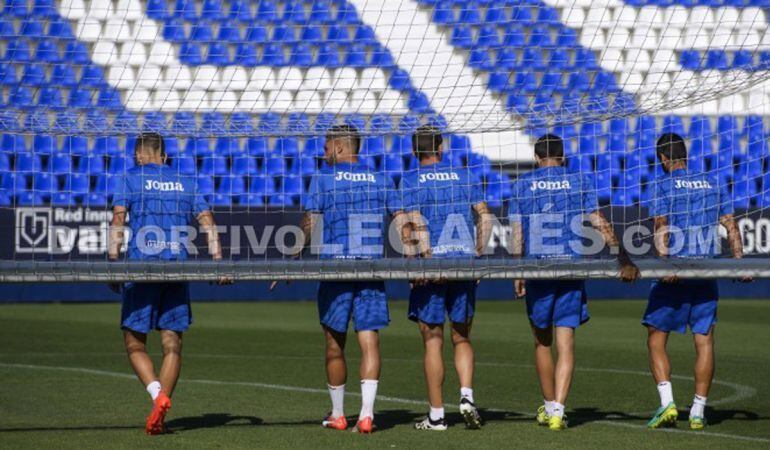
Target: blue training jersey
point(354, 202)
point(161, 204)
point(550, 203)
point(693, 204)
point(445, 198)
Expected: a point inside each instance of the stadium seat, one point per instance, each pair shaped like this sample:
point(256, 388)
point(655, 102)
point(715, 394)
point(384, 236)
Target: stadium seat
point(44, 184)
point(275, 166)
point(91, 165)
point(29, 199)
point(231, 186)
point(28, 163)
point(76, 183)
point(74, 145)
point(119, 165)
point(261, 185)
point(107, 145)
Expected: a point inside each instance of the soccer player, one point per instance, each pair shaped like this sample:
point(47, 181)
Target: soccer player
point(350, 202)
point(441, 202)
point(547, 211)
point(159, 205)
point(687, 209)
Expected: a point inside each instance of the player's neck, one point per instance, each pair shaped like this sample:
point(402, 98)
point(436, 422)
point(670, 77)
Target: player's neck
point(430, 160)
point(550, 162)
point(347, 160)
point(681, 165)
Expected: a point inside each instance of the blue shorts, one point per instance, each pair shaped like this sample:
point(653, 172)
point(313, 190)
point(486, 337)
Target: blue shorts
point(364, 301)
point(557, 303)
point(159, 306)
point(674, 306)
point(431, 303)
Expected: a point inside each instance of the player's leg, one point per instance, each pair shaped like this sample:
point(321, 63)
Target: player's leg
point(702, 321)
point(334, 311)
point(565, 366)
point(667, 310)
point(464, 364)
point(136, 350)
point(171, 344)
point(544, 367)
point(704, 375)
point(426, 308)
point(370, 314)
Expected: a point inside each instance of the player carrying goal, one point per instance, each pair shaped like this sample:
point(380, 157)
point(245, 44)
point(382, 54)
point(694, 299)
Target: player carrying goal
point(159, 205)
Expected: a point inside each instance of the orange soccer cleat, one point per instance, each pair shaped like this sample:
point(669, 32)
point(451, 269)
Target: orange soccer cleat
point(335, 423)
point(365, 425)
point(155, 423)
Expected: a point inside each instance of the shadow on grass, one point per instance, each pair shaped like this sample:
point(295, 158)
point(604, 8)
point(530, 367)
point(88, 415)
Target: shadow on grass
point(581, 416)
point(211, 420)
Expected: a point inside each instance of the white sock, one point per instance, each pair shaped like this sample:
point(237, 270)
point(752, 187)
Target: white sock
point(153, 389)
point(558, 409)
point(698, 406)
point(466, 393)
point(548, 407)
point(337, 393)
point(368, 394)
point(436, 413)
point(666, 393)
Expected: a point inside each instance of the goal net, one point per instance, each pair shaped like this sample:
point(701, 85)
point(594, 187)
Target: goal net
point(244, 93)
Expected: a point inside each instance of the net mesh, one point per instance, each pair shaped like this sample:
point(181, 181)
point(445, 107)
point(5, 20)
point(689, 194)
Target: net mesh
point(244, 93)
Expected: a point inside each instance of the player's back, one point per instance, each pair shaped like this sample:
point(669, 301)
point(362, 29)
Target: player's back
point(445, 197)
point(353, 201)
point(692, 202)
point(552, 202)
point(161, 203)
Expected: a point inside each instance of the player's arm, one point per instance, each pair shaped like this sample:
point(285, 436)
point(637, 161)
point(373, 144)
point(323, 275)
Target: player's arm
point(484, 223)
point(734, 239)
point(516, 248)
point(117, 231)
point(420, 235)
point(209, 226)
point(660, 239)
point(628, 270)
point(308, 223)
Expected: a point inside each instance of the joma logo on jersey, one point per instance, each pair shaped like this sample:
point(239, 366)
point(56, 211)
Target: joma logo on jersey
point(439, 176)
point(349, 176)
point(695, 184)
point(155, 185)
point(550, 185)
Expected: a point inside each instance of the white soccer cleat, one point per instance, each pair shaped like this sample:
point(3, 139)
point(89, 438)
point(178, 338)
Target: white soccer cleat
point(470, 414)
point(430, 425)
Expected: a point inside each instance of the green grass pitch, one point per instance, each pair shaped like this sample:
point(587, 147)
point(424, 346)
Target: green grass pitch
point(253, 377)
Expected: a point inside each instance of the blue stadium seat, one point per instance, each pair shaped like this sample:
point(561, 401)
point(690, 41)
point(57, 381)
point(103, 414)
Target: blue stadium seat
point(17, 8)
point(496, 14)
point(716, 60)
point(306, 166)
point(356, 56)
point(728, 125)
point(60, 28)
point(212, 10)
point(107, 145)
point(532, 58)
point(74, 145)
point(373, 146)
point(229, 32)
point(107, 184)
point(91, 165)
point(507, 59)
point(273, 55)
point(275, 166)
point(559, 59)
point(443, 13)
point(301, 56)
point(743, 59)
point(198, 146)
point(540, 36)
point(365, 35)
point(173, 30)
point(5, 199)
point(585, 59)
point(251, 200)
point(240, 10)
point(321, 12)
point(462, 37)
point(20, 98)
point(51, 98)
point(94, 200)
point(578, 81)
point(257, 146)
point(753, 127)
point(28, 163)
point(257, 33)
point(328, 56)
point(31, 28)
point(298, 123)
point(109, 99)
point(241, 123)
point(184, 164)
point(8, 75)
point(479, 59)
point(30, 199)
point(311, 34)
point(59, 164)
point(314, 147)
point(76, 52)
point(7, 30)
point(157, 9)
point(205, 185)
point(294, 11)
point(286, 147)
point(279, 200)
point(190, 54)
point(690, 60)
point(514, 36)
point(34, 75)
point(267, 11)
point(201, 31)
point(231, 185)
point(284, 34)
point(119, 165)
point(673, 124)
point(47, 51)
point(80, 99)
point(185, 9)
point(246, 55)
point(291, 185)
point(77, 183)
point(261, 185)
point(245, 165)
point(44, 144)
point(551, 81)
point(346, 13)
point(487, 37)
point(13, 182)
point(567, 38)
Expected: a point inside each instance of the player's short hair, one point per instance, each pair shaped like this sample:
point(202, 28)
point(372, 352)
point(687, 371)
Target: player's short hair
point(347, 132)
point(672, 146)
point(151, 141)
point(549, 146)
point(426, 140)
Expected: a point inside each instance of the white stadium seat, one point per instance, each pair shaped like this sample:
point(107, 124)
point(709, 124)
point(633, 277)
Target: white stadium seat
point(234, 78)
point(390, 101)
point(637, 60)
point(224, 101)
point(373, 79)
point(100, 9)
point(166, 100)
point(363, 101)
point(145, 30)
point(644, 38)
point(129, 9)
point(697, 38)
point(289, 78)
point(162, 54)
point(701, 17)
point(308, 101)
point(261, 79)
point(133, 54)
point(598, 17)
point(684, 83)
point(675, 17)
point(281, 100)
point(345, 78)
point(732, 104)
point(631, 81)
point(336, 101)
point(592, 37)
point(612, 59)
point(618, 37)
point(72, 9)
point(624, 16)
point(317, 78)
point(178, 77)
point(664, 60)
point(252, 101)
point(656, 82)
point(121, 77)
point(195, 100)
point(723, 38)
point(650, 16)
point(670, 38)
point(88, 29)
point(754, 18)
point(117, 29)
point(206, 78)
point(727, 17)
point(138, 100)
point(748, 39)
point(573, 17)
point(104, 53)
point(150, 77)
